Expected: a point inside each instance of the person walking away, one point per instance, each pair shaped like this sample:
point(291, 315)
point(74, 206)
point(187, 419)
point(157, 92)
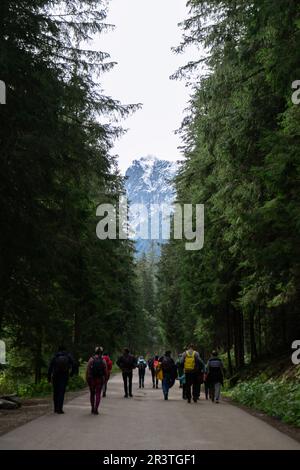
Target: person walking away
point(169, 371)
point(142, 366)
point(215, 376)
point(60, 369)
point(96, 377)
point(192, 365)
point(181, 375)
point(153, 364)
point(109, 364)
point(127, 362)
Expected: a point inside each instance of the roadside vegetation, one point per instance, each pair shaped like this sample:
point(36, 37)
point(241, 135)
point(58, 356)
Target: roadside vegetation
point(271, 387)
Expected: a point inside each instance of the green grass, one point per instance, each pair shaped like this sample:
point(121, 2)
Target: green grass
point(276, 397)
point(25, 388)
point(115, 369)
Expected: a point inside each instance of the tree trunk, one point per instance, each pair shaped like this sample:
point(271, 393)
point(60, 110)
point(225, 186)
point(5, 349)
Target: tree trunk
point(253, 349)
point(238, 339)
point(229, 343)
point(38, 362)
point(259, 332)
point(76, 333)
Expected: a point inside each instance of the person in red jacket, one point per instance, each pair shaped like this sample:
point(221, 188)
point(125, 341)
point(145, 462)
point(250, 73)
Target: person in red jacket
point(109, 364)
point(96, 377)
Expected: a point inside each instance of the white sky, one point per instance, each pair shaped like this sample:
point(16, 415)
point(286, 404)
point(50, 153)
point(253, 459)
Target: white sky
point(141, 44)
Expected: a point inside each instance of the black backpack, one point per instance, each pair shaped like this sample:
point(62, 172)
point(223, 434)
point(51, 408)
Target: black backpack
point(98, 368)
point(142, 365)
point(128, 362)
point(62, 364)
point(167, 364)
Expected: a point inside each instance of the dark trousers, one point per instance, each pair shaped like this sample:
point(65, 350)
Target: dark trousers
point(154, 379)
point(105, 386)
point(192, 385)
point(127, 379)
point(95, 392)
point(59, 389)
point(206, 386)
point(141, 377)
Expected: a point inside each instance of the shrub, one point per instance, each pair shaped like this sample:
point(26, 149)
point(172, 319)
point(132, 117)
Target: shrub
point(277, 398)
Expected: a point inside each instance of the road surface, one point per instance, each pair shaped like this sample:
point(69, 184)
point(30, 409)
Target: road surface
point(147, 422)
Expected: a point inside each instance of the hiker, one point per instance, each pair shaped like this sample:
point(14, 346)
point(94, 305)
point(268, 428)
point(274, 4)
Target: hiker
point(215, 376)
point(153, 364)
point(109, 364)
point(193, 369)
point(61, 367)
point(96, 377)
point(181, 375)
point(142, 366)
point(127, 362)
point(169, 372)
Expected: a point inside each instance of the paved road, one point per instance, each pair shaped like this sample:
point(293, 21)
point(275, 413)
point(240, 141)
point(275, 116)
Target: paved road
point(147, 422)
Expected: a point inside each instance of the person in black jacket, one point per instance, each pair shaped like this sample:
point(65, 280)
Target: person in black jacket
point(60, 369)
point(215, 376)
point(169, 370)
point(127, 362)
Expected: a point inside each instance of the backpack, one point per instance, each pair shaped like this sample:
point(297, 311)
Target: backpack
point(62, 364)
point(142, 365)
point(128, 362)
point(190, 361)
point(167, 364)
point(98, 367)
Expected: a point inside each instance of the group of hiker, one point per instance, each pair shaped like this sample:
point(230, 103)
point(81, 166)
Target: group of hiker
point(63, 366)
point(189, 369)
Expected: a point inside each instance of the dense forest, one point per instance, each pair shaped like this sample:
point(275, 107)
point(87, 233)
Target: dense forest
point(58, 282)
point(241, 138)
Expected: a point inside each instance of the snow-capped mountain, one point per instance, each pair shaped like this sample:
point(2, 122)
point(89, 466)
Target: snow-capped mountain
point(150, 182)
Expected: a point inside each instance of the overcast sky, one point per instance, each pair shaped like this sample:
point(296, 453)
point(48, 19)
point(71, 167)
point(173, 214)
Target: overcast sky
point(141, 44)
